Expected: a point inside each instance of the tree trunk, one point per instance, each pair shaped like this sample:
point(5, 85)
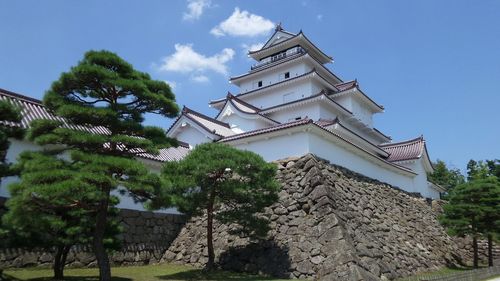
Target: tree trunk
point(99, 251)
point(60, 261)
point(490, 250)
point(210, 245)
point(58, 268)
point(476, 255)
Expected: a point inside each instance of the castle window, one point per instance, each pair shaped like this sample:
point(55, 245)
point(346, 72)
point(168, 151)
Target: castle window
point(287, 75)
point(259, 83)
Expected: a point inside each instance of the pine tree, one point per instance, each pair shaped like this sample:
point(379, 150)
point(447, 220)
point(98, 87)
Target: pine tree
point(229, 185)
point(103, 101)
point(49, 208)
point(472, 209)
point(446, 177)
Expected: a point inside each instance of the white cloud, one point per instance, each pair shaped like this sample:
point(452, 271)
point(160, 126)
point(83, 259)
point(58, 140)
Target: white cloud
point(195, 9)
point(200, 78)
point(243, 23)
point(172, 84)
point(187, 60)
point(252, 47)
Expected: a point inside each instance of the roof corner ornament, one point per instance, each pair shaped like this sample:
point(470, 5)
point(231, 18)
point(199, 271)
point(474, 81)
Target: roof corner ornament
point(278, 27)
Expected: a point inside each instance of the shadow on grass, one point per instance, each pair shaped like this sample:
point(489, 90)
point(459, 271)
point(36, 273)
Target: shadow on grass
point(7, 277)
point(200, 274)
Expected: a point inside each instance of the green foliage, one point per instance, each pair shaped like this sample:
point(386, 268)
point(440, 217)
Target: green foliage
point(52, 204)
point(471, 207)
point(8, 113)
point(102, 101)
point(478, 170)
point(446, 177)
point(242, 182)
point(229, 185)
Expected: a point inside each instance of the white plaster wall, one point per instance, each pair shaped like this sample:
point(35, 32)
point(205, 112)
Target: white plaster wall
point(272, 77)
point(362, 113)
point(278, 147)
point(192, 136)
point(244, 124)
point(18, 146)
point(420, 181)
point(355, 129)
point(343, 157)
point(274, 97)
point(311, 110)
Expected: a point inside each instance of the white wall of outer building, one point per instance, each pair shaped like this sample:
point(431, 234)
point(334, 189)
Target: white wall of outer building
point(279, 147)
point(191, 135)
point(273, 77)
point(239, 123)
point(346, 158)
point(420, 181)
point(294, 91)
point(18, 146)
point(355, 129)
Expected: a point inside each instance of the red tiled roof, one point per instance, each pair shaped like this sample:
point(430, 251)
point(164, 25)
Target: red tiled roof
point(354, 84)
point(346, 85)
point(406, 150)
point(33, 109)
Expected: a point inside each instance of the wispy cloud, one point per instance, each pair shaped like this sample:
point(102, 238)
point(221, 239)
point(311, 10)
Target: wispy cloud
point(243, 23)
point(172, 84)
point(251, 47)
point(200, 78)
point(186, 60)
point(195, 9)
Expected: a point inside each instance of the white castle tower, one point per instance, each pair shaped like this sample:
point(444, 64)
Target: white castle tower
point(291, 104)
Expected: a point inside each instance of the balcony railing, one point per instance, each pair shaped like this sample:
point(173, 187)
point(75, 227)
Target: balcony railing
point(279, 56)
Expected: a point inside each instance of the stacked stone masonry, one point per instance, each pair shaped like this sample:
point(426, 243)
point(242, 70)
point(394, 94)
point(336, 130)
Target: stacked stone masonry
point(145, 238)
point(330, 224)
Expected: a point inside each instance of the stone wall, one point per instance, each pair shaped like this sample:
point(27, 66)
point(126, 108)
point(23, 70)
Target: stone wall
point(330, 224)
point(145, 238)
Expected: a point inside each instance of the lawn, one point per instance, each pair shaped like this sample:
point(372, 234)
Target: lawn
point(133, 273)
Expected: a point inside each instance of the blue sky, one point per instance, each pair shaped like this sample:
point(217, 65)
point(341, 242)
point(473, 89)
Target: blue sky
point(434, 65)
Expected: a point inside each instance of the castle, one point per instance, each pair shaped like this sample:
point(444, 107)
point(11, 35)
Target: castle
point(291, 104)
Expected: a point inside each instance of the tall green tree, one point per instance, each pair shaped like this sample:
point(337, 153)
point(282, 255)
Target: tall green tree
point(50, 208)
point(103, 100)
point(8, 113)
point(470, 209)
point(446, 177)
point(228, 185)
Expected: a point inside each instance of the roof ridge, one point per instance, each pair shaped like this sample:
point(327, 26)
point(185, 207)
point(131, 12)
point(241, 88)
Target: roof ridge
point(231, 96)
point(406, 142)
point(185, 109)
point(20, 96)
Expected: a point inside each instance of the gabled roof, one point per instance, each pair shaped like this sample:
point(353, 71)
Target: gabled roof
point(298, 39)
point(406, 150)
point(244, 108)
point(346, 87)
point(278, 31)
point(209, 124)
point(33, 109)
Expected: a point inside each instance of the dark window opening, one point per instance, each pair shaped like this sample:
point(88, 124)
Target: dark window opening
point(287, 75)
point(259, 83)
point(298, 118)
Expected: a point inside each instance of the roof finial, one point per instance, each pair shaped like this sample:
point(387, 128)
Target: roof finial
point(278, 27)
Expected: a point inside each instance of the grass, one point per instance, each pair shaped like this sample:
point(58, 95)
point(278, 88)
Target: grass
point(440, 272)
point(164, 272)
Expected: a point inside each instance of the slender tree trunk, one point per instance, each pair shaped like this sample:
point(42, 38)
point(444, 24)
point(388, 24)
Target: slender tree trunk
point(476, 255)
point(490, 250)
point(210, 217)
point(58, 269)
point(99, 251)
